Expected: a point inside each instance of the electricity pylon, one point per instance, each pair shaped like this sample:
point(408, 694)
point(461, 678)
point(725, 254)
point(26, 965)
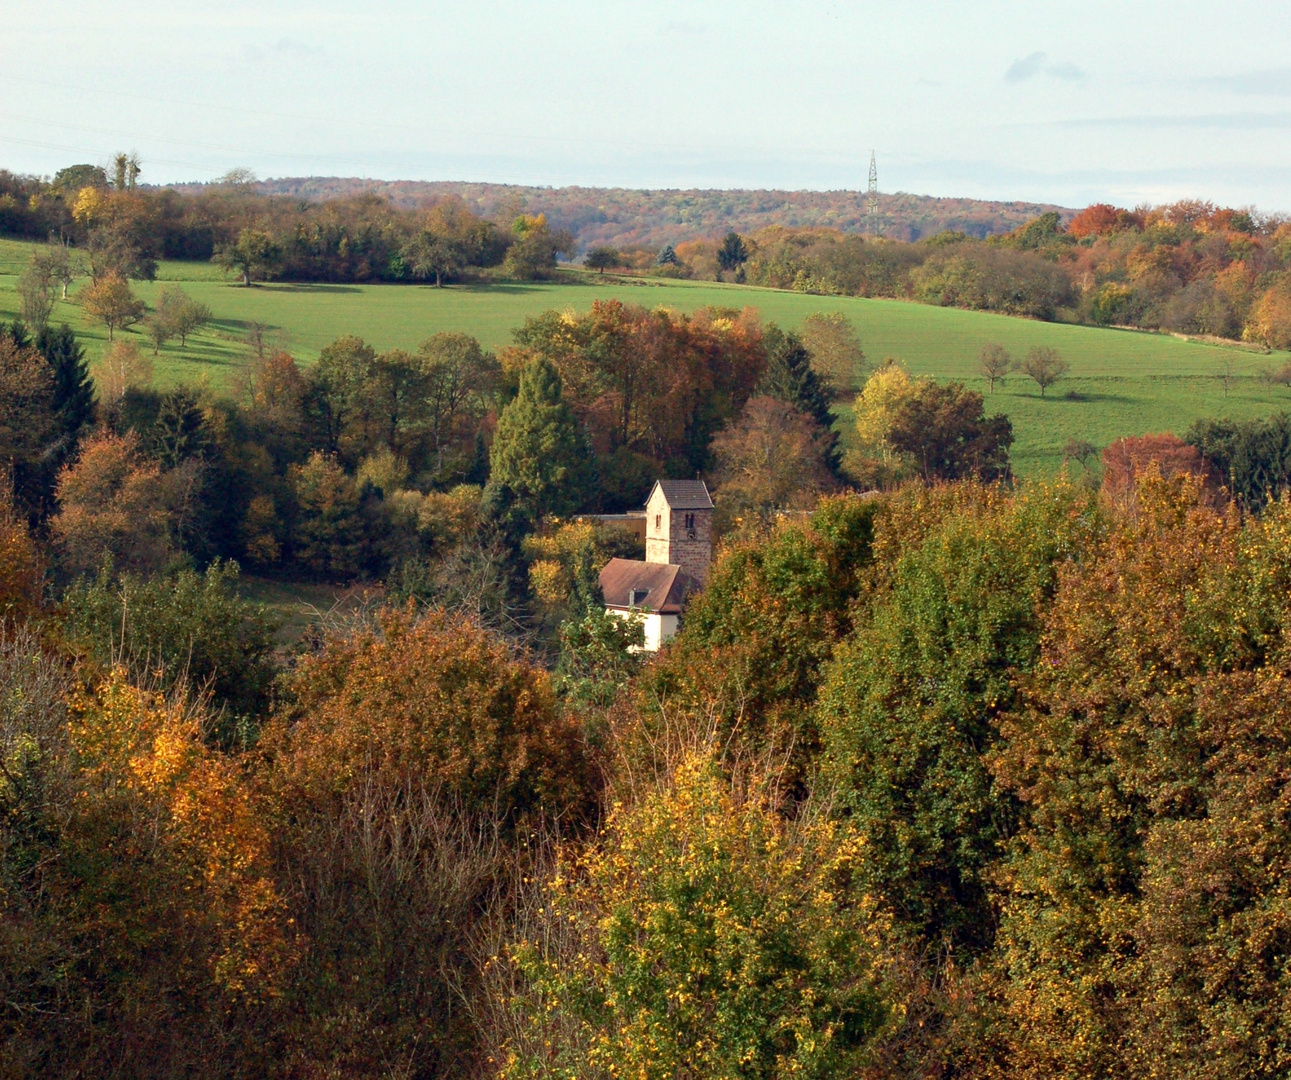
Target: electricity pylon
point(872, 202)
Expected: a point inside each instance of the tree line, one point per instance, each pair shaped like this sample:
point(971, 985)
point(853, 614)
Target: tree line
point(1188, 267)
point(121, 229)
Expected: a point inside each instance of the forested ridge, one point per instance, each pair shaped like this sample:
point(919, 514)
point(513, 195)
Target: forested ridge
point(625, 217)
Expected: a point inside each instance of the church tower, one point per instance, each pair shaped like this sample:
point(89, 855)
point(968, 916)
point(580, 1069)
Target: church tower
point(679, 526)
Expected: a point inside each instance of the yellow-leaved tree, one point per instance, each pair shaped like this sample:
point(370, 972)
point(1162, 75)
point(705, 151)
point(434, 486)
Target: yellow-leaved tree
point(704, 935)
point(873, 459)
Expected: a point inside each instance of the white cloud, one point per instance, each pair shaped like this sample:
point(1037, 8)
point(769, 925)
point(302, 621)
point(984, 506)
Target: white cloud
point(1038, 64)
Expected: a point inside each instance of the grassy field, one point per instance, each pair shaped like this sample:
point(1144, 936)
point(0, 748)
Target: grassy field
point(1121, 382)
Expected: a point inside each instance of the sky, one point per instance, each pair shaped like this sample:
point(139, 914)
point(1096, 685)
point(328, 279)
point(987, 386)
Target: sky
point(1047, 102)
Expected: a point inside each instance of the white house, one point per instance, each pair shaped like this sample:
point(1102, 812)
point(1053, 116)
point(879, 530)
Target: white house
point(679, 548)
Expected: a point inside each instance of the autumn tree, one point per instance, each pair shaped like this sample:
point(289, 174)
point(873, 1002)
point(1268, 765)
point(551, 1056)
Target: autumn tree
point(1270, 319)
point(159, 330)
point(601, 259)
point(773, 456)
point(746, 664)
point(535, 247)
point(432, 254)
point(22, 571)
point(702, 935)
point(36, 293)
point(329, 537)
point(913, 698)
point(649, 386)
point(458, 380)
point(835, 350)
point(994, 362)
point(1139, 753)
point(179, 313)
point(111, 302)
point(946, 432)
point(873, 458)
point(434, 739)
point(117, 507)
point(254, 256)
point(189, 628)
point(334, 395)
point(27, 408)
point(448, 238)
point(121, 368)
point(273, 388)
point(168, 907)
point(1044, 365)
point(1127, 460)
point(539, 451)
point(57, 265)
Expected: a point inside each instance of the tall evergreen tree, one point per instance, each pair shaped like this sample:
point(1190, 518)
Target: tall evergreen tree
point(733, 253)
point(539, 451)
point(790, 378)
point(73, 387)
point(16, 332)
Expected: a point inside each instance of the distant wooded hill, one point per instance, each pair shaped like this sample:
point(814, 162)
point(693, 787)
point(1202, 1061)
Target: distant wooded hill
point(623, 217)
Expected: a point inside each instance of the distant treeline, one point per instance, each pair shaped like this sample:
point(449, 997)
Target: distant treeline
point(633, 217)
point(126, 228)
point(1189, 267)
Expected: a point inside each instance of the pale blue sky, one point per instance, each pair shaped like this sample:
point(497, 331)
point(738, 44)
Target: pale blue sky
point(1057, 102)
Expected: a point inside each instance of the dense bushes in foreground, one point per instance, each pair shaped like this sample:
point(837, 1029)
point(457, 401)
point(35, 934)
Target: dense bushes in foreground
point(952, 781)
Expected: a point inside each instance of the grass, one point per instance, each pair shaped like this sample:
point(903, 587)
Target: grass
point(297, 606)
point(1121, 382)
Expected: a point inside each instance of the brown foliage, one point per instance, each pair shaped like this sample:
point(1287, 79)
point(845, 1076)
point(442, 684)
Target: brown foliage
point(21, 569)
point(638, 379)
point(1143, 905)
point(436, 700)
point(119, 507)
point(26, 396)
point(1101, 219)
point(1127, 460)
point(771, 457)
point(110, 301)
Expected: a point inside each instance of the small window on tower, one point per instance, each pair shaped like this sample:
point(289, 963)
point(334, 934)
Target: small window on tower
point(658, 522)
point(690, 521)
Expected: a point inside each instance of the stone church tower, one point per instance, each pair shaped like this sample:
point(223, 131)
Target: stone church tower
point(679, 526)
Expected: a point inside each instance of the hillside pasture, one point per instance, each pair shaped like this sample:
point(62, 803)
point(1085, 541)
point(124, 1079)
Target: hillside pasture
point(1121, 382)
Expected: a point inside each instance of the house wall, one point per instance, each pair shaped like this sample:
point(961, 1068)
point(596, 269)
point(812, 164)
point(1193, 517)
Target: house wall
point(669, 541)
point(658, 628)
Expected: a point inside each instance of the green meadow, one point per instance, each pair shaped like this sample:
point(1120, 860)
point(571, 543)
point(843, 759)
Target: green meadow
point(1121, 382)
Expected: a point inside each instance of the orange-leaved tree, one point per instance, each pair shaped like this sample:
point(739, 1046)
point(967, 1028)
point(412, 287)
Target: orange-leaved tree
point(148, 923)
point(411, 765)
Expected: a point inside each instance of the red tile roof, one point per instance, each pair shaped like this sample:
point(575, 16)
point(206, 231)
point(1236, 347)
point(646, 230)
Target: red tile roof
point(665, 585)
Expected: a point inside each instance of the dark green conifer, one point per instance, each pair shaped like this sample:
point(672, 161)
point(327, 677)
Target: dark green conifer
point(790, 378)
point(540, 452)
point(73, 387)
